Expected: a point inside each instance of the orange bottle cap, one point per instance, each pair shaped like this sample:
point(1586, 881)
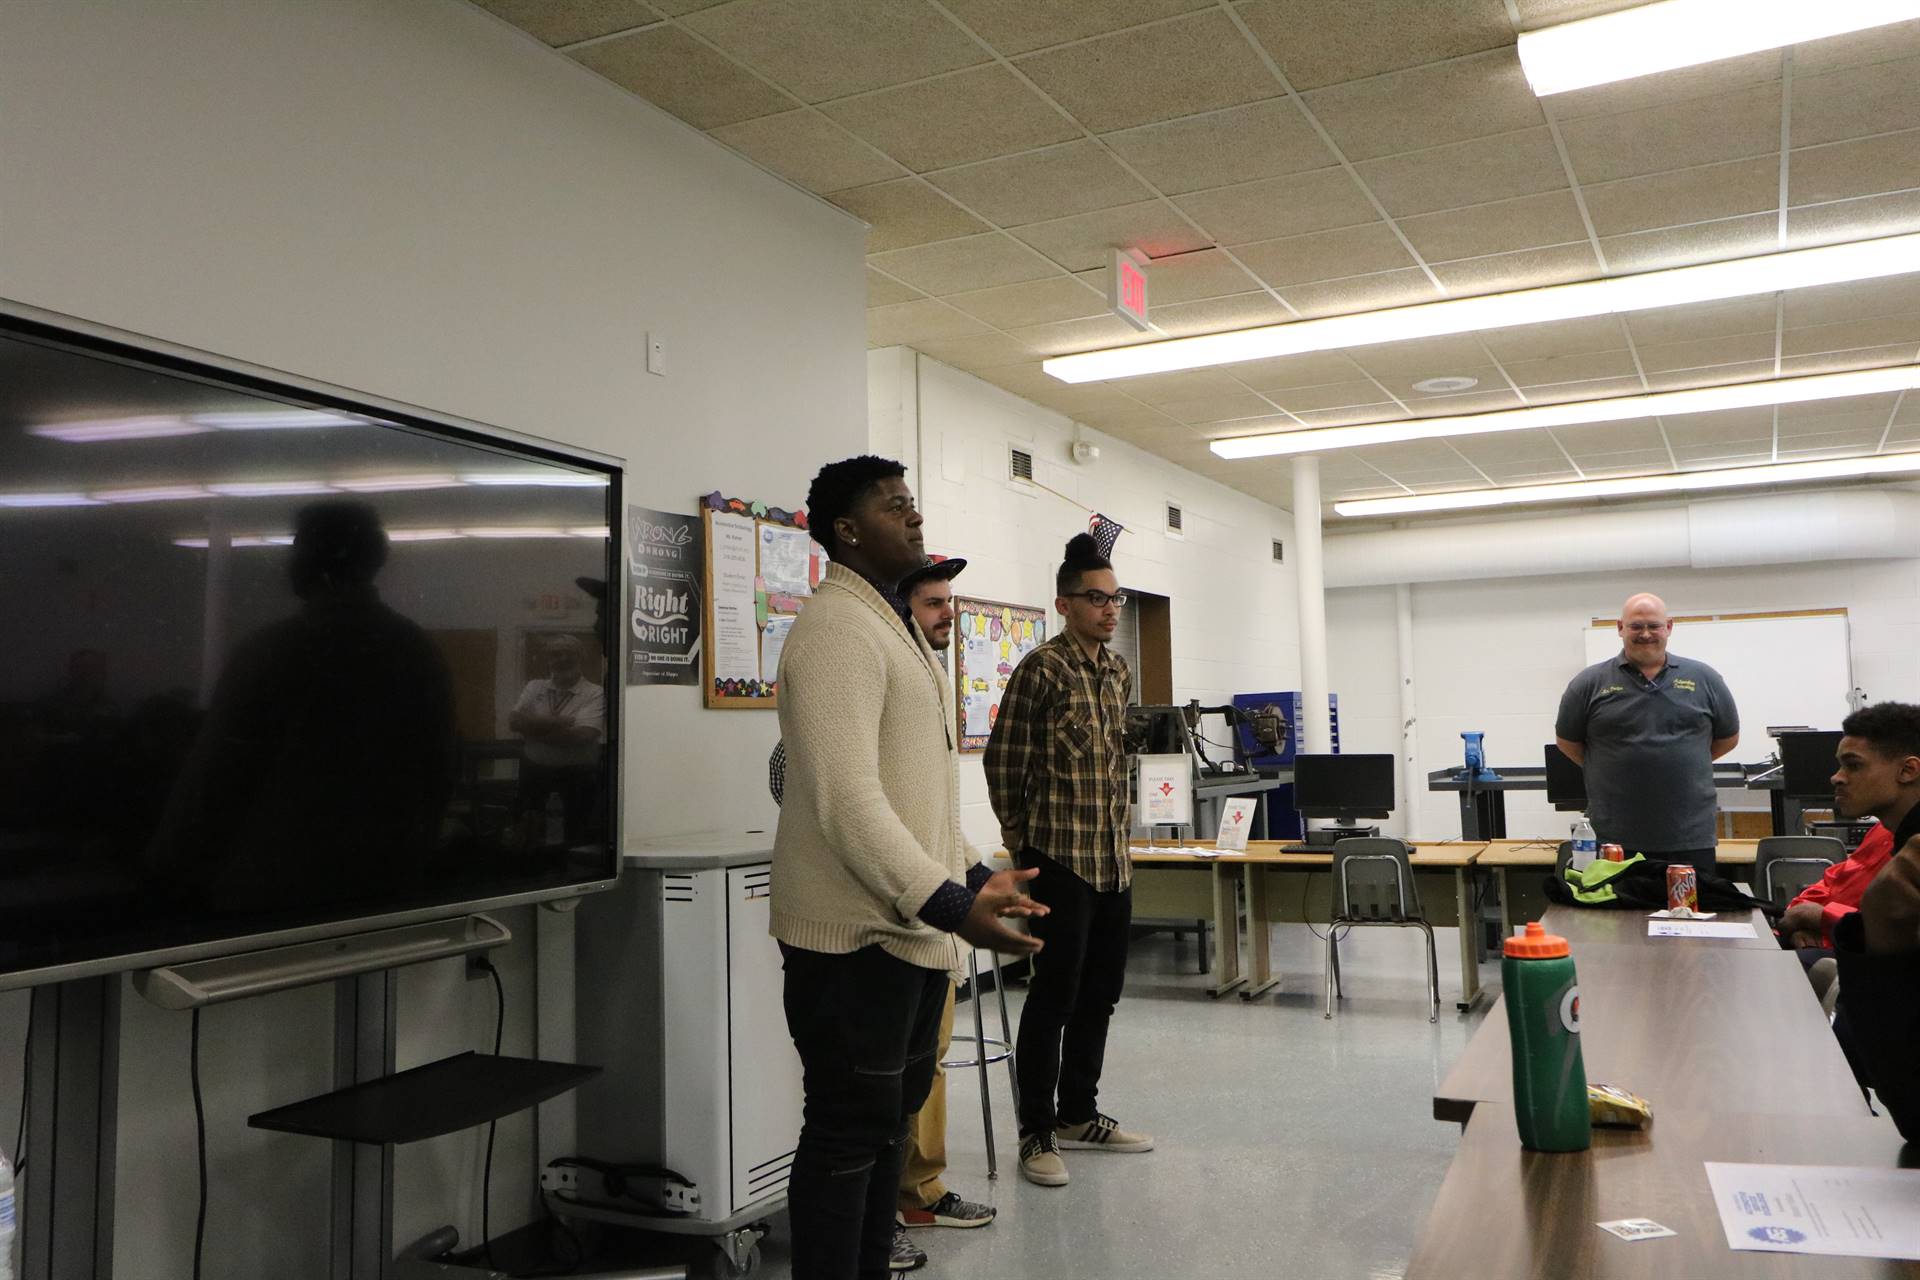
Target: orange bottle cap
point(1538, 944)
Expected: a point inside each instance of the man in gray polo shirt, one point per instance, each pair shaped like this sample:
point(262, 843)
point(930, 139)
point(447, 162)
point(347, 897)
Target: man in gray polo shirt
point(1648, 726)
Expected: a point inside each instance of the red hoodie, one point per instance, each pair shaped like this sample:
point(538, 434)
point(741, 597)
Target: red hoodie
point(1838, 892)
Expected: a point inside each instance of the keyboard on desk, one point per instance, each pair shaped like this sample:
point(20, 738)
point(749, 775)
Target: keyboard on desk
point(1302, 848)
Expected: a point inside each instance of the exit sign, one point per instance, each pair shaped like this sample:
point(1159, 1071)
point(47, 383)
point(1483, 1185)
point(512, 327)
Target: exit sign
point(1127, 287)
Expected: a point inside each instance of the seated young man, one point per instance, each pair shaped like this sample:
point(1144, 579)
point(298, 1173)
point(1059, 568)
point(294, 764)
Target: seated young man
point(1807, 926)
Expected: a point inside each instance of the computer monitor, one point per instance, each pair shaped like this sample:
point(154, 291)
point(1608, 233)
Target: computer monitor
point(1566, 781)
point(1807, 763)
point(1343, 786)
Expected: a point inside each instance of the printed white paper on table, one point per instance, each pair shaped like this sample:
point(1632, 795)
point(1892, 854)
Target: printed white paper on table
point(1236, 819)
point(1166, 791)
point(1821, 1209)
point(1637, 1229)
point(783, 560)
point(736, 638)
point(1698, 929)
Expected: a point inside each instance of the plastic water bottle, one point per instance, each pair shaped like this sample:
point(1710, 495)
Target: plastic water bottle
point(1586, 846)
point(556, 832)
point(6, 1218)
point(1543, 1020)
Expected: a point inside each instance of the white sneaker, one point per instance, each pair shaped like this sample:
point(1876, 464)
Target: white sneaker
point(1040, 1161)
point(1101, 1134)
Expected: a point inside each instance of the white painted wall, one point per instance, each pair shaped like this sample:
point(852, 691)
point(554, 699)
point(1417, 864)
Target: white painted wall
point(1496, 655)
point(408, 198)
point(1233, 608)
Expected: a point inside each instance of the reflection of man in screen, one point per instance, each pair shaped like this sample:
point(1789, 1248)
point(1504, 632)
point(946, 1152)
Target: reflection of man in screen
point(563, 717)
point(326, 762)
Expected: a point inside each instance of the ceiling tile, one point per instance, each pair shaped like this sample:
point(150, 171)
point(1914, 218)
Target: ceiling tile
point(1599, 438)
point(1085, 241)
point(1420, 357)
point(1186, 384)
point(1706, 80)
point(1154, 73)
point(1037, 302)
point(981, 351)
point(1078, 177)
point(1559, 337)
point(1527, 269)
point(907, 212)
point(802, 147)
point(955, 119)
point(1663, 357)
point(1322, 42)
point(1067, 336)
point(1313, 369)
point(1609, 466)
point(1498, 227)
point(1485, 400)
point(1880, 331)
point(567, 21)
point(1584, 367)
point(1703, 131)
point(1241, 144)
point(1427, 106)
point(676, 73)
point(1841, 361)
point(1863, 167)
point(680, 8)
point(1337, 395)
point(956, 266)
point(1218, 315)
point(1718, 375)
point(823, 49)
point(1187, 277)
point(1466, 173)
point(1325, 255)
point(1241, 405)
point(1021, 26)
point(1704, 320)
point(1856, 102)
point(1855, 300)
point(1861, 219)
point(1361, 293)
point(882, 291)
point(911, 322)
point(1348, 415)
point(1720, 426)
point(1138, 420)
point(1273, 207)
point(1529, 447)
point(1401, 383)
point(1551, 13)
point(1684, 195)
point(1591, 389)
point(1856, 413)
point(1857, 48)
point(1685, 246)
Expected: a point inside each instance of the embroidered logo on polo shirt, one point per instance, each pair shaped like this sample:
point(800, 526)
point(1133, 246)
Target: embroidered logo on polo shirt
point(1688, 685)
point(1613, 688)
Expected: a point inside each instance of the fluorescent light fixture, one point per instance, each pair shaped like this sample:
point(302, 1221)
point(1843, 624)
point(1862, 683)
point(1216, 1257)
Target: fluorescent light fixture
point(1658, 404)
point(270, 488)
point(599, 531)
point(151, 427)
point(155, 493)
point(1676, 286)
point(275, 420)
point(47, 500)
point(1886, 464)
point(397, 484)
point(557, 479)
point(1684, 33)
point(192, 543)
point(515, 531)
point(422, 535)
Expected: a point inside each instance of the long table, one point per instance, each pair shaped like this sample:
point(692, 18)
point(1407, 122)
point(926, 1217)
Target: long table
point(1228, 875)
point(1500, 857)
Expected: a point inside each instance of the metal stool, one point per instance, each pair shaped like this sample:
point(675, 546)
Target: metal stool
point(999, 1049)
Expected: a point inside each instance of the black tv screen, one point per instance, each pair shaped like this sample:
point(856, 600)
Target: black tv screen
point(1343, 786)
point(280, 664)
point(1808, 760)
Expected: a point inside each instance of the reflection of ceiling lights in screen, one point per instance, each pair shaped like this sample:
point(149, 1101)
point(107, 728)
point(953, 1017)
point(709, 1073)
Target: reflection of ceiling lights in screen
point(156, 426)
point(490, 532)
point(295, 488)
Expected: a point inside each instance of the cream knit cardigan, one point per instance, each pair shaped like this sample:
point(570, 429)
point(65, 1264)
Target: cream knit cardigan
point(870, 825)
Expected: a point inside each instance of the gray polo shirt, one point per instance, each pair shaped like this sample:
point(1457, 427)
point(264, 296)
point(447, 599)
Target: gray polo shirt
point(1649, 763)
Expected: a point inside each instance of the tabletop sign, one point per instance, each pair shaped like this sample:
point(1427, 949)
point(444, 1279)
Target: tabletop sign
point(1127, 287)
point(1236, 819)
point(1165, 797)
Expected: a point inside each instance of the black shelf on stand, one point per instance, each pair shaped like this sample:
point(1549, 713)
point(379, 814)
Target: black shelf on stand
point(441, 1097)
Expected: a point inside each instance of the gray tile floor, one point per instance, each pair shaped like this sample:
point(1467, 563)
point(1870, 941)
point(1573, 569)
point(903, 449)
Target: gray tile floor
point(1287, 1145)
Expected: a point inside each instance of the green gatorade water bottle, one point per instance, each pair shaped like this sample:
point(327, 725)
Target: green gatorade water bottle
point(1543, 1020)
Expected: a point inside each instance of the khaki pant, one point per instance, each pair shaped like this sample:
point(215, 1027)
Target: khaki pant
point(920, 1185)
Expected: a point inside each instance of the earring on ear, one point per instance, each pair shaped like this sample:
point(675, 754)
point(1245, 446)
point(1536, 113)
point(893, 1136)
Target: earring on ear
point(853, 542)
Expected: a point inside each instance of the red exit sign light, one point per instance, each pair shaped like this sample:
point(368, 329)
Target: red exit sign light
point(1127, 287)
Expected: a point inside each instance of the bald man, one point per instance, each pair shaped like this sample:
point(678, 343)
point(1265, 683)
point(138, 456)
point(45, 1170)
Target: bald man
point(1648, 726)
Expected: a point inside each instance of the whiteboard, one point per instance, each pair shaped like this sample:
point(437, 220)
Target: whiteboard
point(1781, 670)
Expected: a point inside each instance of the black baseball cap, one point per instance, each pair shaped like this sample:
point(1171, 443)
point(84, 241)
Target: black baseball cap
point(933, 571)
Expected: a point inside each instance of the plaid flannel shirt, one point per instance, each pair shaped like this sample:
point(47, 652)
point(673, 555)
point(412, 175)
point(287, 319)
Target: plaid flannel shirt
point(1057, 761)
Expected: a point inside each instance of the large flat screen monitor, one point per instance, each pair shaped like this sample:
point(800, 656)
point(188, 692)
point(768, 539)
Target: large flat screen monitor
point(1343, 786)
point(281, 664)
point(1566, 781)
point(1807, 762)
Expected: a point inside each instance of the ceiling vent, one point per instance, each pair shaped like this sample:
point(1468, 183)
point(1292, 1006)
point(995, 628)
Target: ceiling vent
point(1176, 521)
point(1279, 551)
point(1019, 464)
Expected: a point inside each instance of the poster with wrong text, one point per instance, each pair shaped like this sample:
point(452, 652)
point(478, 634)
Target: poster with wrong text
point(663, 614)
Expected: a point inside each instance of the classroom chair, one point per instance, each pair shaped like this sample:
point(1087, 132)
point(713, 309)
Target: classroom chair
point(1784, 865)
point(1373, 885)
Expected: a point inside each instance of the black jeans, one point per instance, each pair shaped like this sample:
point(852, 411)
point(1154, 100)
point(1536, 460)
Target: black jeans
point(1077, 978)
point(866, 1026)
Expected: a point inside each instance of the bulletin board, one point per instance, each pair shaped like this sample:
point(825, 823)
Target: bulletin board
point(990, 639)
point(761, 568)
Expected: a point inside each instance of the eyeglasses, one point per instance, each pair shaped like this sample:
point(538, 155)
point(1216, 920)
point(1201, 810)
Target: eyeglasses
point(1100, 599)
point(1646, 628)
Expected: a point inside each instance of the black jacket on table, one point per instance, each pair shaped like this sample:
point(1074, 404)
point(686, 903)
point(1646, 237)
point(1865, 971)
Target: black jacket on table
point(1881, 994)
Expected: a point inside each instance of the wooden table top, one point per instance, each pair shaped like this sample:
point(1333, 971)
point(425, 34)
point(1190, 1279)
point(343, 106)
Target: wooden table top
point(1541, 853)
point(1508, 1212)
point(1688, 1028)
point(1436, 855)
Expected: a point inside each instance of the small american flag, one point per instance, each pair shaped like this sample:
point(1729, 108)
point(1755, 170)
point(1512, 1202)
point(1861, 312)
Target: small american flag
point(1105, 532)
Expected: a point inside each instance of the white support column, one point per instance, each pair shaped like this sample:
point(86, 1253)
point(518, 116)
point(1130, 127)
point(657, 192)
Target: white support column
point(1411, 781)
point(1316, 734)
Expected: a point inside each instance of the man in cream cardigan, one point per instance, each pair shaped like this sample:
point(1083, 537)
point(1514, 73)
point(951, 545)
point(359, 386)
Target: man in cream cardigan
point(871, 876)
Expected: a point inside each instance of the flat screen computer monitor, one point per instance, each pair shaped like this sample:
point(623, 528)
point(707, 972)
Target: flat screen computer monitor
point(1566, 781)
point(1807, 763)
point(1352, 786)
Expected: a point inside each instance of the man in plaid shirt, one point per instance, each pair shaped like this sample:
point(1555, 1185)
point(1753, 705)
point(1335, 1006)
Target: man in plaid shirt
point(1057, 773)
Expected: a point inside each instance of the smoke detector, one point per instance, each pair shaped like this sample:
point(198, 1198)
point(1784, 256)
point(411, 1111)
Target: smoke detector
point(1445, 385)
point(1085, 452)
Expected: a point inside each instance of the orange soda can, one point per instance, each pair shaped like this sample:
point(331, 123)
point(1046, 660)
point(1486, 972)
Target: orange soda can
point(1613, 853)
point(1683, 888)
